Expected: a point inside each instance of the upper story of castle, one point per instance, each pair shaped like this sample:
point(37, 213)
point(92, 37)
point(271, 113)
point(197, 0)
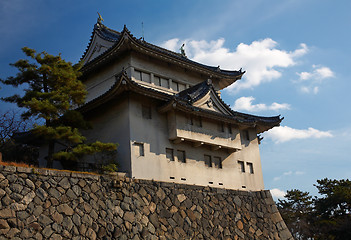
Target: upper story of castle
point(148, 64)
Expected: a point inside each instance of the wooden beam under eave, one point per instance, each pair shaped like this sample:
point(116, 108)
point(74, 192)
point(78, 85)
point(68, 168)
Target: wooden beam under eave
point(215, 148)
point(178, 140)
point(198, 144)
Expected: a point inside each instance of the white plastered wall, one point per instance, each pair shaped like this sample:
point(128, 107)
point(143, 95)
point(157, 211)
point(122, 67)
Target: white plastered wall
point(111, 124)
point(153, 134)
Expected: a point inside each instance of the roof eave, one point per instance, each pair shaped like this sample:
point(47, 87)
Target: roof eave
point(138, 45)
point(123, 83)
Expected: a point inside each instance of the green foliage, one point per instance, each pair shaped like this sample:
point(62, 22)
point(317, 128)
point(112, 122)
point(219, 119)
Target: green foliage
point(53, 92)
point(334, 209)
point(53, 85)
point(324, 217)
point(85, 149)
point(112, 167)
point(296, 212)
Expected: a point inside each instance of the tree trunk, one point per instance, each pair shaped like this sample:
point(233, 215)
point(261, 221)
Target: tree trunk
point(50, 160)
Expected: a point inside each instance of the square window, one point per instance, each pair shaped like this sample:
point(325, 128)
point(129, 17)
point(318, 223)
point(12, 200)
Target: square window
point(138, 75)
point(198, 122)
point(250, 166)
point(221, 127)
point(170, 154)
point(164, 83)
point(145, 77)
point(195, 121)
point(241, 166)
point(181, 156)
point(175, 86)
point(157, 80)
point(217, 162)
point(246, 135)
point(208, 160)
point(191, 121)
point(146, 112)
point(139, 149)
point(181, 87)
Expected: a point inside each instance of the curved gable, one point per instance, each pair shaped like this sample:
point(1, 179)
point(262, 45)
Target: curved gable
point(101, 40)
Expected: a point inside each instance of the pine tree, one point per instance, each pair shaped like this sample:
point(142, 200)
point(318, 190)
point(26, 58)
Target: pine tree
point(52, 92)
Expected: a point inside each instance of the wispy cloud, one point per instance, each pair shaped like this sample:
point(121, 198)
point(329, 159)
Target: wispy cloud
point(262, 59)
point(277, 193)
point(245, 104)
point(311, 81)
point(289, 173)
point(285, 133)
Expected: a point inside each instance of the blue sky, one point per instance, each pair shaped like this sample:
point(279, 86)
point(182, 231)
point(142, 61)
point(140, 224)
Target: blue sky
point(296, 54)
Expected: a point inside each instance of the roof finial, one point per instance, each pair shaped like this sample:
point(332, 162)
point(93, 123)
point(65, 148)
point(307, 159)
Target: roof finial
point(182, 51)
point(100, 19)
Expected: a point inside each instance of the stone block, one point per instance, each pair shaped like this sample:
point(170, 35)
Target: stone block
point(64, 183)
point(7, 213)
point(12, 233)
point(4, 224)
point(285, 234)
point(67, 223)
point(181, 197)
point(4, 183)
point(10, 169)
point(64, 208)
point(24, 170)
point(237, 201)
point(90, 234)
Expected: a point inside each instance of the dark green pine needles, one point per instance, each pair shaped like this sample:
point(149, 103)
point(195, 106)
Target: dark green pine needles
point(52, 92)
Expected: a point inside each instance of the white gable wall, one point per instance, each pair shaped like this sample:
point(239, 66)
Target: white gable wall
point(101, 81)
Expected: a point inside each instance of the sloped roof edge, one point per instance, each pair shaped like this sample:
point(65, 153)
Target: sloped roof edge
point(187, 97)
point(124, 83)
point(120, 38)
point(104, 32)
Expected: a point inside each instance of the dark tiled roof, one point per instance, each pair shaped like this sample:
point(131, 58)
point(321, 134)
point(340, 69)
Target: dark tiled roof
point(188, 96)
point(181, 57)
point(122, 80)
point(105, 33)
point(184, 101)
point(114, 36)
point(195, 92)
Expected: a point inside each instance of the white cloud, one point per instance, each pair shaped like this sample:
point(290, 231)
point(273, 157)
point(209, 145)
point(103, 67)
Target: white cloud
point(311, 81)
point(172, 44)
point(318, 73)
point(277, 193)
point(261, 59)
point(285, 133)
point(290, 173)
point(245, 103)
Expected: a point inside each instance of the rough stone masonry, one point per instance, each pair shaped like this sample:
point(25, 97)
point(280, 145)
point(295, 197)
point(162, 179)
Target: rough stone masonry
point(49, 204)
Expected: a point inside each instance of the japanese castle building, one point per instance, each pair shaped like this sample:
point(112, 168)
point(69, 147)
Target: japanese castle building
point(166, 113)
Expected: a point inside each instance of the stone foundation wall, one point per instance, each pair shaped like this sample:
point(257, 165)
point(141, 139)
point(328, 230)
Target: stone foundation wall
point(48, 204)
